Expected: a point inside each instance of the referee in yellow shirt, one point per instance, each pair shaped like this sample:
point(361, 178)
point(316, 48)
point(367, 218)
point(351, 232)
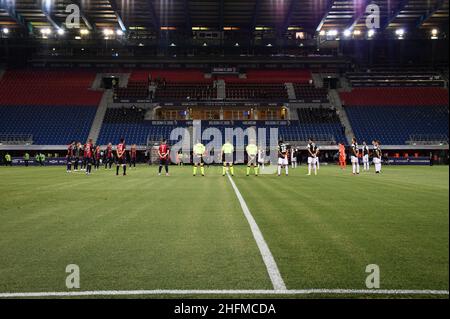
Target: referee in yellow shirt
point(227, 158)
point(252, 155)
point(199, 153)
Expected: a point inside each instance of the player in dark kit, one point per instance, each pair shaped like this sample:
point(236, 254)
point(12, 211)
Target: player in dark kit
point(163, 153)
point(69, 156)
point(121, 155)
point(77, 154)
point(283, 157)
point(88, 156)
point(133, 156)
point(109, 156)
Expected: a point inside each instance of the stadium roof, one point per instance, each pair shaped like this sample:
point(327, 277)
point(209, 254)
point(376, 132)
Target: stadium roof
point(187, 15)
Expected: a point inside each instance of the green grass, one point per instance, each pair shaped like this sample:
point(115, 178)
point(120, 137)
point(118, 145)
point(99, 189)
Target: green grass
point(179, 232)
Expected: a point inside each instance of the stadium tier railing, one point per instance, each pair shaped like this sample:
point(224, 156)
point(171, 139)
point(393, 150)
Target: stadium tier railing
point(428, 139)
point(16, 139)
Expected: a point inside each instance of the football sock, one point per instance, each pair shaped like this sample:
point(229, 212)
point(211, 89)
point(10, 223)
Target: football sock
point(195, 170)
point(309, 168)
point(248, 170)
point(256, 170)
point(279, 169)
point(202, 170)
point(224, 170)
point(117, 170)
point(287, 169)
point(232, 170)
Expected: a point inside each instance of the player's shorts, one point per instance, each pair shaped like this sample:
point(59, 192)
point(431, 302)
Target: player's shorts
point(198, 159)
point(354, 159)
point(366, 159)
point(342, 158)
point(69, 159)
point(283, 161)
point(163, 161)
point(87, 160)
point(227, 158)
point(376, 160)
point(312, 160)
point(294, 159)
point(121, 160)
point(251, 160)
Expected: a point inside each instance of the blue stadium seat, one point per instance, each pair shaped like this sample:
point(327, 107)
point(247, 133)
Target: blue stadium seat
point(49, 125)
point(393, 125)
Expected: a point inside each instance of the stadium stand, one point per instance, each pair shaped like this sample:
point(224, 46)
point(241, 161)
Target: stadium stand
point(256, 91)
point(48, 125)
point(395, 77)
point(186, 91)
point(395, 125)
point(395, 96)
point(130, 124)
point(271, 76)
point(393, 115)
point(54, 107)
point(186, 76)
point(310, 93)
point(134, 90)
point(48, 87)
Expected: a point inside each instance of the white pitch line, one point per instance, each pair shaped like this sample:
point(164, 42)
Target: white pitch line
point(271, 265)
point(223, 292)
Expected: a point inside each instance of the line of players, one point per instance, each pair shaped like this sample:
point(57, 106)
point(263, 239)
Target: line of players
point(364, 152)
point(92, 156)
point(89, 155)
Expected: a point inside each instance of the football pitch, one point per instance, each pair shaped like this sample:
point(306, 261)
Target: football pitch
point(154, 236)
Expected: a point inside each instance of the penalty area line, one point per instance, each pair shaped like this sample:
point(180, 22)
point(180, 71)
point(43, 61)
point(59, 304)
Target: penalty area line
point(223, 292)
point(269, 261)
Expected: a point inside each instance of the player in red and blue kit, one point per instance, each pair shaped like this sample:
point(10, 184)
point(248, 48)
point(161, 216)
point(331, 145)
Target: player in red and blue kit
point(88, 155)
point(163, 153)
point(121, 157)
point(109, 156)
point(69, 156)
point(98, 156)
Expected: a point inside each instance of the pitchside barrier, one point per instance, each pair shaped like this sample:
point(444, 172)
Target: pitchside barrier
point(409, 161)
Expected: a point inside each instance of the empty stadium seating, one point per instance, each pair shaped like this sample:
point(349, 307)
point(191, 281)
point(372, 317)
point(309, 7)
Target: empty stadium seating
point(54, 106)
point(186, 91)
point(134, 90)
point(256, 91)
point(394, 125)
point(310, 93)
point(395, 77)
point(272, 76)
point(48, 87)
point(395, 96)
point(49, 125)
point(185, 75)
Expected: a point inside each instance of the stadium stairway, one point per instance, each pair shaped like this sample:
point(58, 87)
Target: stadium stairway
point(317, 80)
point(221, 90)
point(335, 100)
point(100, 115)
point(290, 91)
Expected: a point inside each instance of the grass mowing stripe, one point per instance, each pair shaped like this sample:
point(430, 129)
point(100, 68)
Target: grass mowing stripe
point(271, 265)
